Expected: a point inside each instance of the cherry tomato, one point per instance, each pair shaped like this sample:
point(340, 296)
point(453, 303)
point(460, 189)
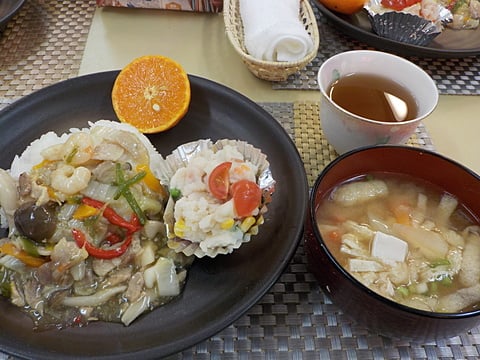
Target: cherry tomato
point(219, 180)
point(398, 4)
point(247, 196)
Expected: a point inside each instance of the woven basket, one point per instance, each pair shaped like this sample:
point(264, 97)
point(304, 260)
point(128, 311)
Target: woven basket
point(269, 70)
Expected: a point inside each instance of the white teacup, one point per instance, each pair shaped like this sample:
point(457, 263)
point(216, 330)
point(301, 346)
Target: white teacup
point(346, 131)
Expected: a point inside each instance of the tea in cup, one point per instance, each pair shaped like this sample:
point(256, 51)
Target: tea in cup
point(371, 98)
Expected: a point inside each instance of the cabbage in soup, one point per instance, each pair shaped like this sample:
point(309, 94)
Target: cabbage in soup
point(406, 240)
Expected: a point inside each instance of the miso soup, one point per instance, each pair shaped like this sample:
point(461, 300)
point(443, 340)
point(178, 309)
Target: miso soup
point(406, 240)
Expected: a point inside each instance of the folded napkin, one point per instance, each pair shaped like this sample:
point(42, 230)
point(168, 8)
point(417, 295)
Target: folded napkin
point(273, 30)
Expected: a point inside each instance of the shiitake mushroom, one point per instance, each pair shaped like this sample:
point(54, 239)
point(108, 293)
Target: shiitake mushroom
point(36, 222)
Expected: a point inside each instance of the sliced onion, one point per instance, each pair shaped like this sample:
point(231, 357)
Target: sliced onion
point(12, 263)
point(164, 275)
point(135, 310)
point(100, 297)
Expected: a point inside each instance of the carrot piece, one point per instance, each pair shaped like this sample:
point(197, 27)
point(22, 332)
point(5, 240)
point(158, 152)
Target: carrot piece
point(402, 214)
point(23, 256)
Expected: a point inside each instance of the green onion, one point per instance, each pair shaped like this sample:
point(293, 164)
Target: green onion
point(70, 156)
point(446, 281)
point(439, 262)
point(124, 190)
point(127, 183)
point(403, 290)
point(458, 4)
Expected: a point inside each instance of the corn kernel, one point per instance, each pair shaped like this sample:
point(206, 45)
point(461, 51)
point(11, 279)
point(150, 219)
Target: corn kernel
point(247, 223)
point(253, 230)
point(260, 220)
point(227, 224)
point(173, 244)
point(179, 228)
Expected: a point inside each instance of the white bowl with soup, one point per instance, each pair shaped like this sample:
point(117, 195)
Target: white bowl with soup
point(371, 97)
point(393, 237)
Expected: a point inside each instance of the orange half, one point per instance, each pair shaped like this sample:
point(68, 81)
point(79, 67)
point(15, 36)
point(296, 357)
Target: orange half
point(151, 93)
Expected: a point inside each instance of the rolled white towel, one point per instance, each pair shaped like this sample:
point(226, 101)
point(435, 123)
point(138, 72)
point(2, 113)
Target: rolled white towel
point(273, 30)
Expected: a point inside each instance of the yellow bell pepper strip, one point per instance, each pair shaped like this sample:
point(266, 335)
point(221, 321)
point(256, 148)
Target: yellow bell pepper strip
point(85, 211)
point(81, 241)
point(151, 181)
point(23, 256)
point(111, 215)
point(124, 190)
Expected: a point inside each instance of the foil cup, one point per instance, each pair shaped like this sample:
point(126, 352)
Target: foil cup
point(407, 25)
point(403, 27)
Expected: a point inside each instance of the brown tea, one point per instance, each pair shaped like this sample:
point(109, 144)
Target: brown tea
point(374, 97)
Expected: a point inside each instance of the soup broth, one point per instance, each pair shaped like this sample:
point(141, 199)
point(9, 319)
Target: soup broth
point(374, 97)
point(406, 240)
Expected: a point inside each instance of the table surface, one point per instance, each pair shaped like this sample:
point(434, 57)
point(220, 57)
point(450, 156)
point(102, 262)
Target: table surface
point(199, 43)
point(49, 41)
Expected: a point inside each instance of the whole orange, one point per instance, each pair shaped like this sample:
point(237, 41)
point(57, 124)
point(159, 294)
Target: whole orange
point(347, 7)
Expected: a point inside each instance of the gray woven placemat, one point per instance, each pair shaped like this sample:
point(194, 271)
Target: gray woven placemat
point(452, 76)
point(295, 320)
point(42, 45)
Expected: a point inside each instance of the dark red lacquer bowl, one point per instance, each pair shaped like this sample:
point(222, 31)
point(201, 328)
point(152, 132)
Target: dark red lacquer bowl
point(378, 314)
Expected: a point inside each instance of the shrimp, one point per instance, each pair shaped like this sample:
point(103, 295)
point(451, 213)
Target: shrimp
point(242, 170)
point(128, 141)
point(70, 180)
point(77, 150)
point(430, 10)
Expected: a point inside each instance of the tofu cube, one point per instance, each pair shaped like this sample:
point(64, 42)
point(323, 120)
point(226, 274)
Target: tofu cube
point(389, 248)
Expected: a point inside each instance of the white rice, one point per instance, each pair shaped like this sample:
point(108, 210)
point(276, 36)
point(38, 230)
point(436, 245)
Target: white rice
point(31, 156)
point(201, 215)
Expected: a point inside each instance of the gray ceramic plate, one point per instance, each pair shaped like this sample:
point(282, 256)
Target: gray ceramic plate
point(218, 291)
point(8, 8)
point(449, 44)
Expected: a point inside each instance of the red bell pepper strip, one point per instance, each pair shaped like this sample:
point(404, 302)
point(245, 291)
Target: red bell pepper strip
point(81, 241)
point(113, 238)
point(110, 214)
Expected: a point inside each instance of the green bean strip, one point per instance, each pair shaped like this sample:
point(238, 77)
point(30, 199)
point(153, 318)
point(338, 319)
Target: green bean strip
point(123, 187)
point(127, 183)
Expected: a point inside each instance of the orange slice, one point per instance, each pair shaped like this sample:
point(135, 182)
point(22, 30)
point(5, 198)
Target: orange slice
point(151, 93)
point(344, 6)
